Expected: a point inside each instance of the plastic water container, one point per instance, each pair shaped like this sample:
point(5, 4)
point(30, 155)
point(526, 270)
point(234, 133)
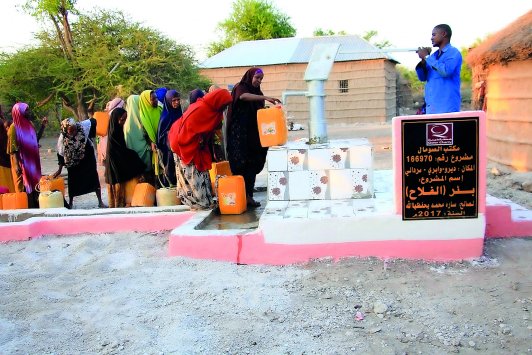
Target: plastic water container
point(167, 196)
point(272, 126)
point(3, 190)
point(102, 122)
point(15, 201)
point(51, 199)
point(48, 183)
point(232, 194)
point(220, 168)
point(130, 190)
point(144, 195)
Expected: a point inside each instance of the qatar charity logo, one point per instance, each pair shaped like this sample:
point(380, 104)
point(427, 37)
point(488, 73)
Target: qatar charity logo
point(439, 134)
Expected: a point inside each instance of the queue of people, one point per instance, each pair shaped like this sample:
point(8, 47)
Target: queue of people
point(149, 139)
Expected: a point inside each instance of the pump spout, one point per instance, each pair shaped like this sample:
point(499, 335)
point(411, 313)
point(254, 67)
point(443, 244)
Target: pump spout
point(317, 73)
point(285, 95)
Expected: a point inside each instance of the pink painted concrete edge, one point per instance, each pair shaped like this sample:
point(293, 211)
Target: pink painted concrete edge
point(40, 226)
point(482, 149)
point(251, 249)
point(499, 223)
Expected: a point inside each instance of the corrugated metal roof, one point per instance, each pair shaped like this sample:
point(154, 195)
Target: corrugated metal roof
point(291, 50)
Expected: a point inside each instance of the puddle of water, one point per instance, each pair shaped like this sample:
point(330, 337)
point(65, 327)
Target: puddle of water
point(246, 220)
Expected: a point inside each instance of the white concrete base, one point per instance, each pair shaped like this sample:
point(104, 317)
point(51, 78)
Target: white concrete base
point(318, 222)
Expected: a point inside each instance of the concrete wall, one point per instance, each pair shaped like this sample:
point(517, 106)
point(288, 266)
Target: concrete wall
point(509, 112)
point(371, 94)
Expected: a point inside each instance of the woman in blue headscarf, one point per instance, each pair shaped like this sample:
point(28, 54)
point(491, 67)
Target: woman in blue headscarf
point(195, 95)
point(160, 93)
point(171, 112)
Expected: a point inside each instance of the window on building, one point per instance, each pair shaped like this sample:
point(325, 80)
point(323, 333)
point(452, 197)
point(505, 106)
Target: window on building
point(343, 86)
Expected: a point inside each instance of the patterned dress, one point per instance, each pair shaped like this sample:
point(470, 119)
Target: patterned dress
point(194, 186)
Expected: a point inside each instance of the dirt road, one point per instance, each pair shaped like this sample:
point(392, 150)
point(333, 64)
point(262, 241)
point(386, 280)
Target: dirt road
point(120, 294)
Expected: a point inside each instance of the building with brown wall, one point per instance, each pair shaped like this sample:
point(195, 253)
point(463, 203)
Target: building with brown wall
point(361, 86)
point(502, 86)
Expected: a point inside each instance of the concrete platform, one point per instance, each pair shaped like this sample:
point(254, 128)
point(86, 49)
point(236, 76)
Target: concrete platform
point(25, 224)
point(290, 233)
point(296, 231)
point(505, 219)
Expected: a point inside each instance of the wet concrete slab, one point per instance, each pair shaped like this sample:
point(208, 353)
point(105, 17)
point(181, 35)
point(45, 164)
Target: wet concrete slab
point(246, 220)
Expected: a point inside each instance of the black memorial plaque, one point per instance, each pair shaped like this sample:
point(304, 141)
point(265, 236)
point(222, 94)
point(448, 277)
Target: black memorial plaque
point(440, 168)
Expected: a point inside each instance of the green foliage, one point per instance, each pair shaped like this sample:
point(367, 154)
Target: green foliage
point(371, 34)
point(465, 73)
point(45, 8)
point(110, 55)
point(410, 75)
point(320, 32)
point(252, 20)
point(368, 35)
point(115, 51)
point(217, 47)
point(28, 74)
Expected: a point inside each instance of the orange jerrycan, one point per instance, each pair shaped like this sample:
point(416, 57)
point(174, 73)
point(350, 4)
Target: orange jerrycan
point(130, 190)
point(3, 190)
point(220, 168)
point(15, 201)
point(48, 183)
point(144, 195)
point(102, 122)
point(272, 126)
point(232, 194)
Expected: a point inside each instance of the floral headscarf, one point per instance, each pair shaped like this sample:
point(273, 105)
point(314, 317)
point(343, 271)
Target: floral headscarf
point(73, 146)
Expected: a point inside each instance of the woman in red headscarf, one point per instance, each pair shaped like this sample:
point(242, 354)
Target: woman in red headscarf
point(245, 153)
point(188, 139)
point(23, 147)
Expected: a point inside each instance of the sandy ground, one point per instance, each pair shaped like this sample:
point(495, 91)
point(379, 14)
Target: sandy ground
point(120, 293)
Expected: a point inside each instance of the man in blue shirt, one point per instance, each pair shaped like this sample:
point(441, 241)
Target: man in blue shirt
point(441, 71)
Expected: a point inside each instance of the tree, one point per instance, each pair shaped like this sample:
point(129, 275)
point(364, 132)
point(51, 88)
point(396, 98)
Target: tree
point(368, 36)
point(320, 32)
point(57, 11)
point(371, 34)
point(87, 60)
point(252, 20)
point(27, 75)
point(465, 76)
point(410, 75)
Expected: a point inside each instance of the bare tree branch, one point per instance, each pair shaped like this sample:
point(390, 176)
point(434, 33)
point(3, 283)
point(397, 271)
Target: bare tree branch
point(67, 104)
point(46, 100)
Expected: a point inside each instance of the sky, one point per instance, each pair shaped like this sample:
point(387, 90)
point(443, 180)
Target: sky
point(406, 24)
